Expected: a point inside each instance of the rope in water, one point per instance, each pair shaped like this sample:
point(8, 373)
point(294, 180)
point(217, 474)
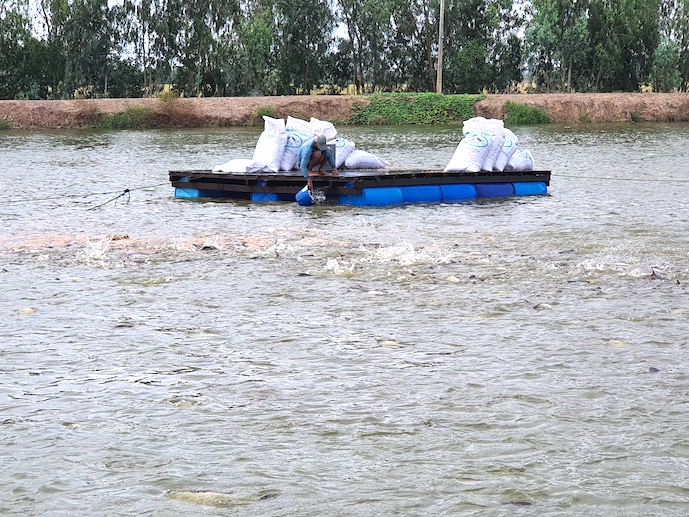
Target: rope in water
point(120, 193)
point(608, 178)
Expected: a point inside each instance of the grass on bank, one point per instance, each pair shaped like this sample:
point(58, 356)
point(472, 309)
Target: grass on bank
point(414, 108)
point(133, 117)
point(383, 109)
point(524, 115)
point(4, 124)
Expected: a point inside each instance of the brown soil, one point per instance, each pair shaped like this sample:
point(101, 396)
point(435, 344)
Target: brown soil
point(595, 107)
point(239, 111)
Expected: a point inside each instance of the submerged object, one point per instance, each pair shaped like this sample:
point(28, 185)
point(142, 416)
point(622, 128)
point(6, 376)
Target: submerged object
point(361, 187)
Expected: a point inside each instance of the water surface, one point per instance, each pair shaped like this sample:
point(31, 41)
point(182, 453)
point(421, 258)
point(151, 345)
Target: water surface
point(522, 356)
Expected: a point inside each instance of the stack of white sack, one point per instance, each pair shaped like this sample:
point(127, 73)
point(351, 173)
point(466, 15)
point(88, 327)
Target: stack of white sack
point(299, 131)
point(278, 147)
point(270, 147)
point(486, 146)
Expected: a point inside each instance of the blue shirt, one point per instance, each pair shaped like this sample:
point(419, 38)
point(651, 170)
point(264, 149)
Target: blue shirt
point(305, 154)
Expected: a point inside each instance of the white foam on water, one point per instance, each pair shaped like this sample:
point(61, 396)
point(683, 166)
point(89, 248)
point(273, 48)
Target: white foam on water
point(94, 254)
point(407, 254)
point(334, 266)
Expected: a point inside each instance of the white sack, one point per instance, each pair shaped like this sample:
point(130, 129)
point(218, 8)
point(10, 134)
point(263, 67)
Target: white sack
point(359, 159)
point(474, 124)
point(294, 141)
point(300, 126)
point(298, 132)
point(470, 153)
point(270, 147)
point(521, 160)
point(496, 128)
point(508, 149)
point(343, 148)
point(235, 165)
point(324, 127)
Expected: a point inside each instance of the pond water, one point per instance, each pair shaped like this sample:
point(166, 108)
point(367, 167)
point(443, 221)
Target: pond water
point(520, 356)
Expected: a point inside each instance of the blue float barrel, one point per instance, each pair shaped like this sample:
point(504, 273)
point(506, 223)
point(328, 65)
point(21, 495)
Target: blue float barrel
point(459, 192)
point(494, 189)
point(196, 193)
point(530, 188)
point(186, 192)
point(421, 194)
point(375, 196)
point(263, 196)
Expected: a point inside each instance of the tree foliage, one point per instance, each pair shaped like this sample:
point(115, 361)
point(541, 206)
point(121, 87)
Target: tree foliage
point(132, 48)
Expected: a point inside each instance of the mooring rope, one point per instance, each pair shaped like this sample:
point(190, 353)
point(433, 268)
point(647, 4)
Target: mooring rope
point(607, 178)
point(119, 193)
point(126, 192)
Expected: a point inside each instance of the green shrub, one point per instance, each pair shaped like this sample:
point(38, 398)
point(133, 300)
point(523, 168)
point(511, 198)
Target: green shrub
point(522, 114)
point(168, 95)
point(636, 116)
point(4, 124)
point(262, 111)
point(414, 108)
point(133, 117)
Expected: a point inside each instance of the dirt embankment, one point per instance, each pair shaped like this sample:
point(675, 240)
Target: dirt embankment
point(239, 111)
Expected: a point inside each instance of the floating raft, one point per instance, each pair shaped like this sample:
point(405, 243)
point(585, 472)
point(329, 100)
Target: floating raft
point(360, 187)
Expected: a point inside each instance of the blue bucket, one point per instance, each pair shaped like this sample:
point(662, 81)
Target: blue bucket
point(304, 197)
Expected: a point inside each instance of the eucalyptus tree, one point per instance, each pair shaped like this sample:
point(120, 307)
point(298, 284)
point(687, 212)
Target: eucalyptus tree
point(253, 69)
point(384, 42)
point(410, 53)
point(556, 44)
point(477, 32)
point(135, 20)
point(506, 46)
point(20, 74)
point(87, 42)
point(675, 29)
point(375, 31)
point(665, 75)
point(186, 39)
point(52, 15)
point(303, 35)
point(349, 13)
point(623, 34)
point(427, 30)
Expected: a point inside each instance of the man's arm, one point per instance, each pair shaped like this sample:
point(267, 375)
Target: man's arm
point(330, 157)
point(304, 157)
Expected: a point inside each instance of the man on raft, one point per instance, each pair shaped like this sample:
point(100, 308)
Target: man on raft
point(313, 154)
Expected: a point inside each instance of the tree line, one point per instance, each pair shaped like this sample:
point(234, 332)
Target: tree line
point(59, 49)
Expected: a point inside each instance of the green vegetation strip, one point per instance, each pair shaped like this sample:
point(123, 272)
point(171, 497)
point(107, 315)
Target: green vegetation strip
point(524, 115)
point(414, 108)
point(133, 117)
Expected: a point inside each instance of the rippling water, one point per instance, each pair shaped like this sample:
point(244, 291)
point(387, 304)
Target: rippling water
point(522, 356)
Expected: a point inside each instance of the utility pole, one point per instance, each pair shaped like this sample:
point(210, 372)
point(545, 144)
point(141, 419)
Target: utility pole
point(441, 30)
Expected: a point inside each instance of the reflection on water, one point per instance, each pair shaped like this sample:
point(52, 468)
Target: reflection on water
point(520, 356)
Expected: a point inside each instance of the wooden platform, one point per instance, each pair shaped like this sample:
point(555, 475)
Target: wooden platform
point(285, 185)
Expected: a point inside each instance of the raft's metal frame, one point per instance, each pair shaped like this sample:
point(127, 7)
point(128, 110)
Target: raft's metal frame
point(285, 185)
